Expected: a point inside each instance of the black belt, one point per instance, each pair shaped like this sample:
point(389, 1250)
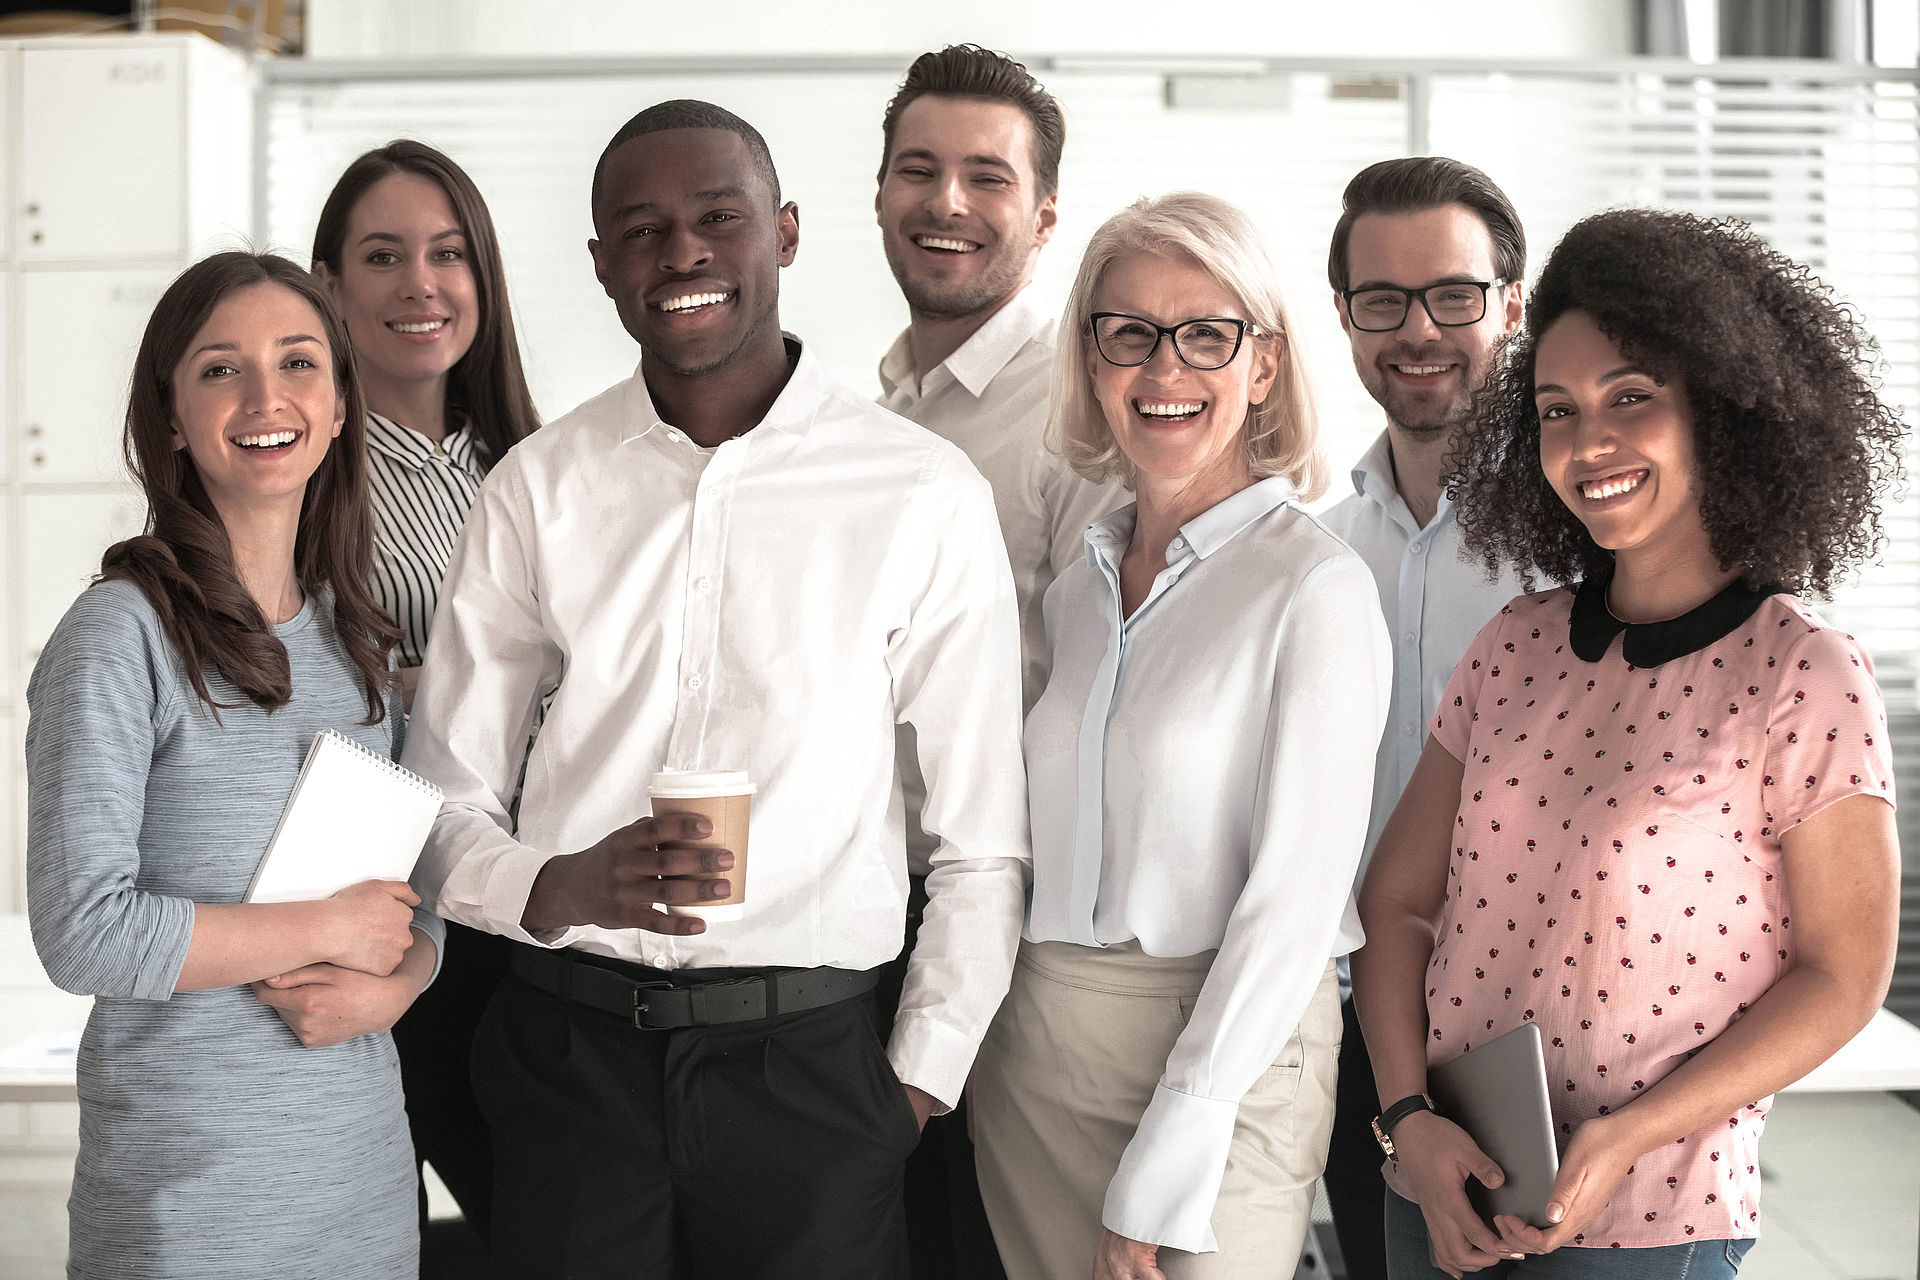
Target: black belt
point(664, 1003)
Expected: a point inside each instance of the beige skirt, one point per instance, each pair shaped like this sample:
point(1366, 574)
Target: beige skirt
point(1066, 1072)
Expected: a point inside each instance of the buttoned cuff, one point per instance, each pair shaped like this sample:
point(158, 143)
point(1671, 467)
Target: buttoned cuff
point(1169, 1177)
point(932, 1057)
point(504, 900)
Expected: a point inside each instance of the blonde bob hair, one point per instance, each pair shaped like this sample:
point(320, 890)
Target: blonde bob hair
point(1281, 435)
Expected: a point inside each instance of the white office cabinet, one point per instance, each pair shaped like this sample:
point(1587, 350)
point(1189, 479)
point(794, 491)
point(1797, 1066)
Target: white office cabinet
point(62, 537)
point(79, 330)
point(122, 160)
point(133, 149)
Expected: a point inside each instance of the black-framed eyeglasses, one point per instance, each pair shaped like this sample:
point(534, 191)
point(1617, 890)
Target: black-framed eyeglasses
point(1449, 305)
point(1130, 341)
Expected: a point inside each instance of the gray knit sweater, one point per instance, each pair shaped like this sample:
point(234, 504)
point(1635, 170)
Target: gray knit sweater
point(211, 1143)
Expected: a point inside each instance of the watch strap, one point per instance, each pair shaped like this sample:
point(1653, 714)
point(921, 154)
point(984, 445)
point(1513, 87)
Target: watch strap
point(1384, 1123)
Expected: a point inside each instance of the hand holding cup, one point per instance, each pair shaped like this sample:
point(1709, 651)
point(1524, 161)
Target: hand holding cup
point(624, 880)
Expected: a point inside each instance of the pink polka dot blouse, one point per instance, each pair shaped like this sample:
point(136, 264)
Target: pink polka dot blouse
point(1616, 875)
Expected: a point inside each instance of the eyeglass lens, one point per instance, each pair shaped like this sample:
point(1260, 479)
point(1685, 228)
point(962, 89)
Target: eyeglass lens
point(1204, 344)
point(1379, 310)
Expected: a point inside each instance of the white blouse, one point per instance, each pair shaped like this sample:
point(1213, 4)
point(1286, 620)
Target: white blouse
point(1200, 776)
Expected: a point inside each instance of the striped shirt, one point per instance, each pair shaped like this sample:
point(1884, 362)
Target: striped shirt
point(422, 493)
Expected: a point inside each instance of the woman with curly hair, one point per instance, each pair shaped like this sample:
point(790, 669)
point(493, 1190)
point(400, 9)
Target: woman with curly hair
point(1655, 813)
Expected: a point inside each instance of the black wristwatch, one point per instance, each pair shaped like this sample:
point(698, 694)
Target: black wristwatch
point(1393, 1115)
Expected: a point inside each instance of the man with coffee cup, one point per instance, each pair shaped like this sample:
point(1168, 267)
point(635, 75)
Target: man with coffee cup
point(724, 563)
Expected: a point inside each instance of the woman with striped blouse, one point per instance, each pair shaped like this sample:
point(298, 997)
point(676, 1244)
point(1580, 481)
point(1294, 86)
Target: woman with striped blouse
point(408, 251)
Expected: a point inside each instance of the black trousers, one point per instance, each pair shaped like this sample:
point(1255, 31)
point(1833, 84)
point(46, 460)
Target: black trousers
point(435, 1042)
point(768, 1149)
point(1355, 1189)
point(948, 1236)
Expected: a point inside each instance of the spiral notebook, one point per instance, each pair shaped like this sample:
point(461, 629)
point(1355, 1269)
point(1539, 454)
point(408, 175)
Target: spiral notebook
point(354, 815)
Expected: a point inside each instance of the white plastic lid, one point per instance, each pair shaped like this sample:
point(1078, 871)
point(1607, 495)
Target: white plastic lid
point(692, 784)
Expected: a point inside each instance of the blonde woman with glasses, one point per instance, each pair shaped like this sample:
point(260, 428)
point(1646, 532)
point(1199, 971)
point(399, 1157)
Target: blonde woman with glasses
point(1155, 1097)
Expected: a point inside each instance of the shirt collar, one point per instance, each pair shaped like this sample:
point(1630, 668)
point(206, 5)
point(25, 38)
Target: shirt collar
point(978, 360)
point(1206, 533)
point(1373, 480)
point(1591, 627)
point(793, 411)
point(405, 445)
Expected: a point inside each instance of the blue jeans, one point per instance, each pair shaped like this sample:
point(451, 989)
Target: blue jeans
point(1408, 1259)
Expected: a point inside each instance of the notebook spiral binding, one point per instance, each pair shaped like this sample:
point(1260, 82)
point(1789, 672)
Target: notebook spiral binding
point(379, 761)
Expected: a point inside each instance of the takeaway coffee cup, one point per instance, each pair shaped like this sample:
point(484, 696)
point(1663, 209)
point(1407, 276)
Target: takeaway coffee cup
point(725, 798)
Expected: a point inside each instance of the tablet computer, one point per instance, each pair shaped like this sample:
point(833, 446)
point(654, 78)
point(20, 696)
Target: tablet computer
point(1498, 1094)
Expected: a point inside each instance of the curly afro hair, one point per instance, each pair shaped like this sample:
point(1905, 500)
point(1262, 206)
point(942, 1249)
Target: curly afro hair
point(1794, 445)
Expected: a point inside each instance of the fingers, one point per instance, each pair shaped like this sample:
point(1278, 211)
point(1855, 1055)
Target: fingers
point(301, 977)
point(1460, 1224)
point(401, 891)
point(668, 829)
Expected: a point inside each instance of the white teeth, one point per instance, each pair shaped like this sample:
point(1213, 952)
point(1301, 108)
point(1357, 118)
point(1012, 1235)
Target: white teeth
point(1422, 369)
point(1611, 488)
point(423, 326)
point(270, 440)
point(952, 246)
point(687, 302)
point(1179, 409)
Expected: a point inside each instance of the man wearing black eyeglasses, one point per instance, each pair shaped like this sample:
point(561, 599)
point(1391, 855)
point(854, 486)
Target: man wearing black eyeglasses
point(1426, 264)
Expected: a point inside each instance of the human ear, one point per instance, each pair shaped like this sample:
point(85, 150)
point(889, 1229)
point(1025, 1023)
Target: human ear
point(787, 228)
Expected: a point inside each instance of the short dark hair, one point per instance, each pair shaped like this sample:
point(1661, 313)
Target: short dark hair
point(1412, 184)
point(1794, 447)
point(691, 113)
point(968, 71)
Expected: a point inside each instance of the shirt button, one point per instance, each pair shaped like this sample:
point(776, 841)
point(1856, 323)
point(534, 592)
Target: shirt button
point(1408, 731)
point(704, 585)
point(1416, 548)
point(1407, 637)
point(694, 683)
point(1178, 544)
point(661, 962)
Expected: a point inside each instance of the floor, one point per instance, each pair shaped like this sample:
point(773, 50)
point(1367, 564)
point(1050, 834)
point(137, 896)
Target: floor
point(1842, 1198)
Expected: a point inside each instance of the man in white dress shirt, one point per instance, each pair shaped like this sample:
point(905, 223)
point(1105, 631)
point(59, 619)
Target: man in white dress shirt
point(1426, 264)
point(968, 180)
point(724, 562)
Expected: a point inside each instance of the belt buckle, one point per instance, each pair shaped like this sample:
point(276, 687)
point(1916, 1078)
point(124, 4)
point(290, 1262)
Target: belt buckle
point(640, 1005)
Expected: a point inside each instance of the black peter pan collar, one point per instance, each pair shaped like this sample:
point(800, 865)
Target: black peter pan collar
point(1591, 628)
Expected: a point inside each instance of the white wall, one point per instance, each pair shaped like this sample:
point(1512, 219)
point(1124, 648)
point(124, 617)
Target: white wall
point(1276, 28)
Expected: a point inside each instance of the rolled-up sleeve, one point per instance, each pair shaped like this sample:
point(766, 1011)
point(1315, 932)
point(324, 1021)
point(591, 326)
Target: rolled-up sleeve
point(1311, 807)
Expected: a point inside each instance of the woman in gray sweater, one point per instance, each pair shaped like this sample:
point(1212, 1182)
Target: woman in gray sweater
point(240, 1108)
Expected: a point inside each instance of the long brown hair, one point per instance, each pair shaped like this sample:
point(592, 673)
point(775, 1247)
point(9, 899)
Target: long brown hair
point(486, 386)
point(183, 564)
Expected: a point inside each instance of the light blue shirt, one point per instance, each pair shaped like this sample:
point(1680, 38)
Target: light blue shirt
point(1434, 602)
point(1198, 780)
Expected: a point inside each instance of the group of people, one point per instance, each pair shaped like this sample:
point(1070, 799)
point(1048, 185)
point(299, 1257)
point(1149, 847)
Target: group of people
point(1084, 754)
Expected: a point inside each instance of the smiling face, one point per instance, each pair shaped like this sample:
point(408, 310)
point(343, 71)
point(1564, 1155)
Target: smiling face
point(1422, 374)
point(254, 400)
point(961, 215)
point(1175, 423)
point(690, 247)
point(406, 287)
point(1616, 444)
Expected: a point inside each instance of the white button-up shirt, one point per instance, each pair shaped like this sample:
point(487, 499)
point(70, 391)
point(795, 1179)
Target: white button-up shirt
point(990, 397)
point(1434, 601)
point(1200, 774)
point(777, 604)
